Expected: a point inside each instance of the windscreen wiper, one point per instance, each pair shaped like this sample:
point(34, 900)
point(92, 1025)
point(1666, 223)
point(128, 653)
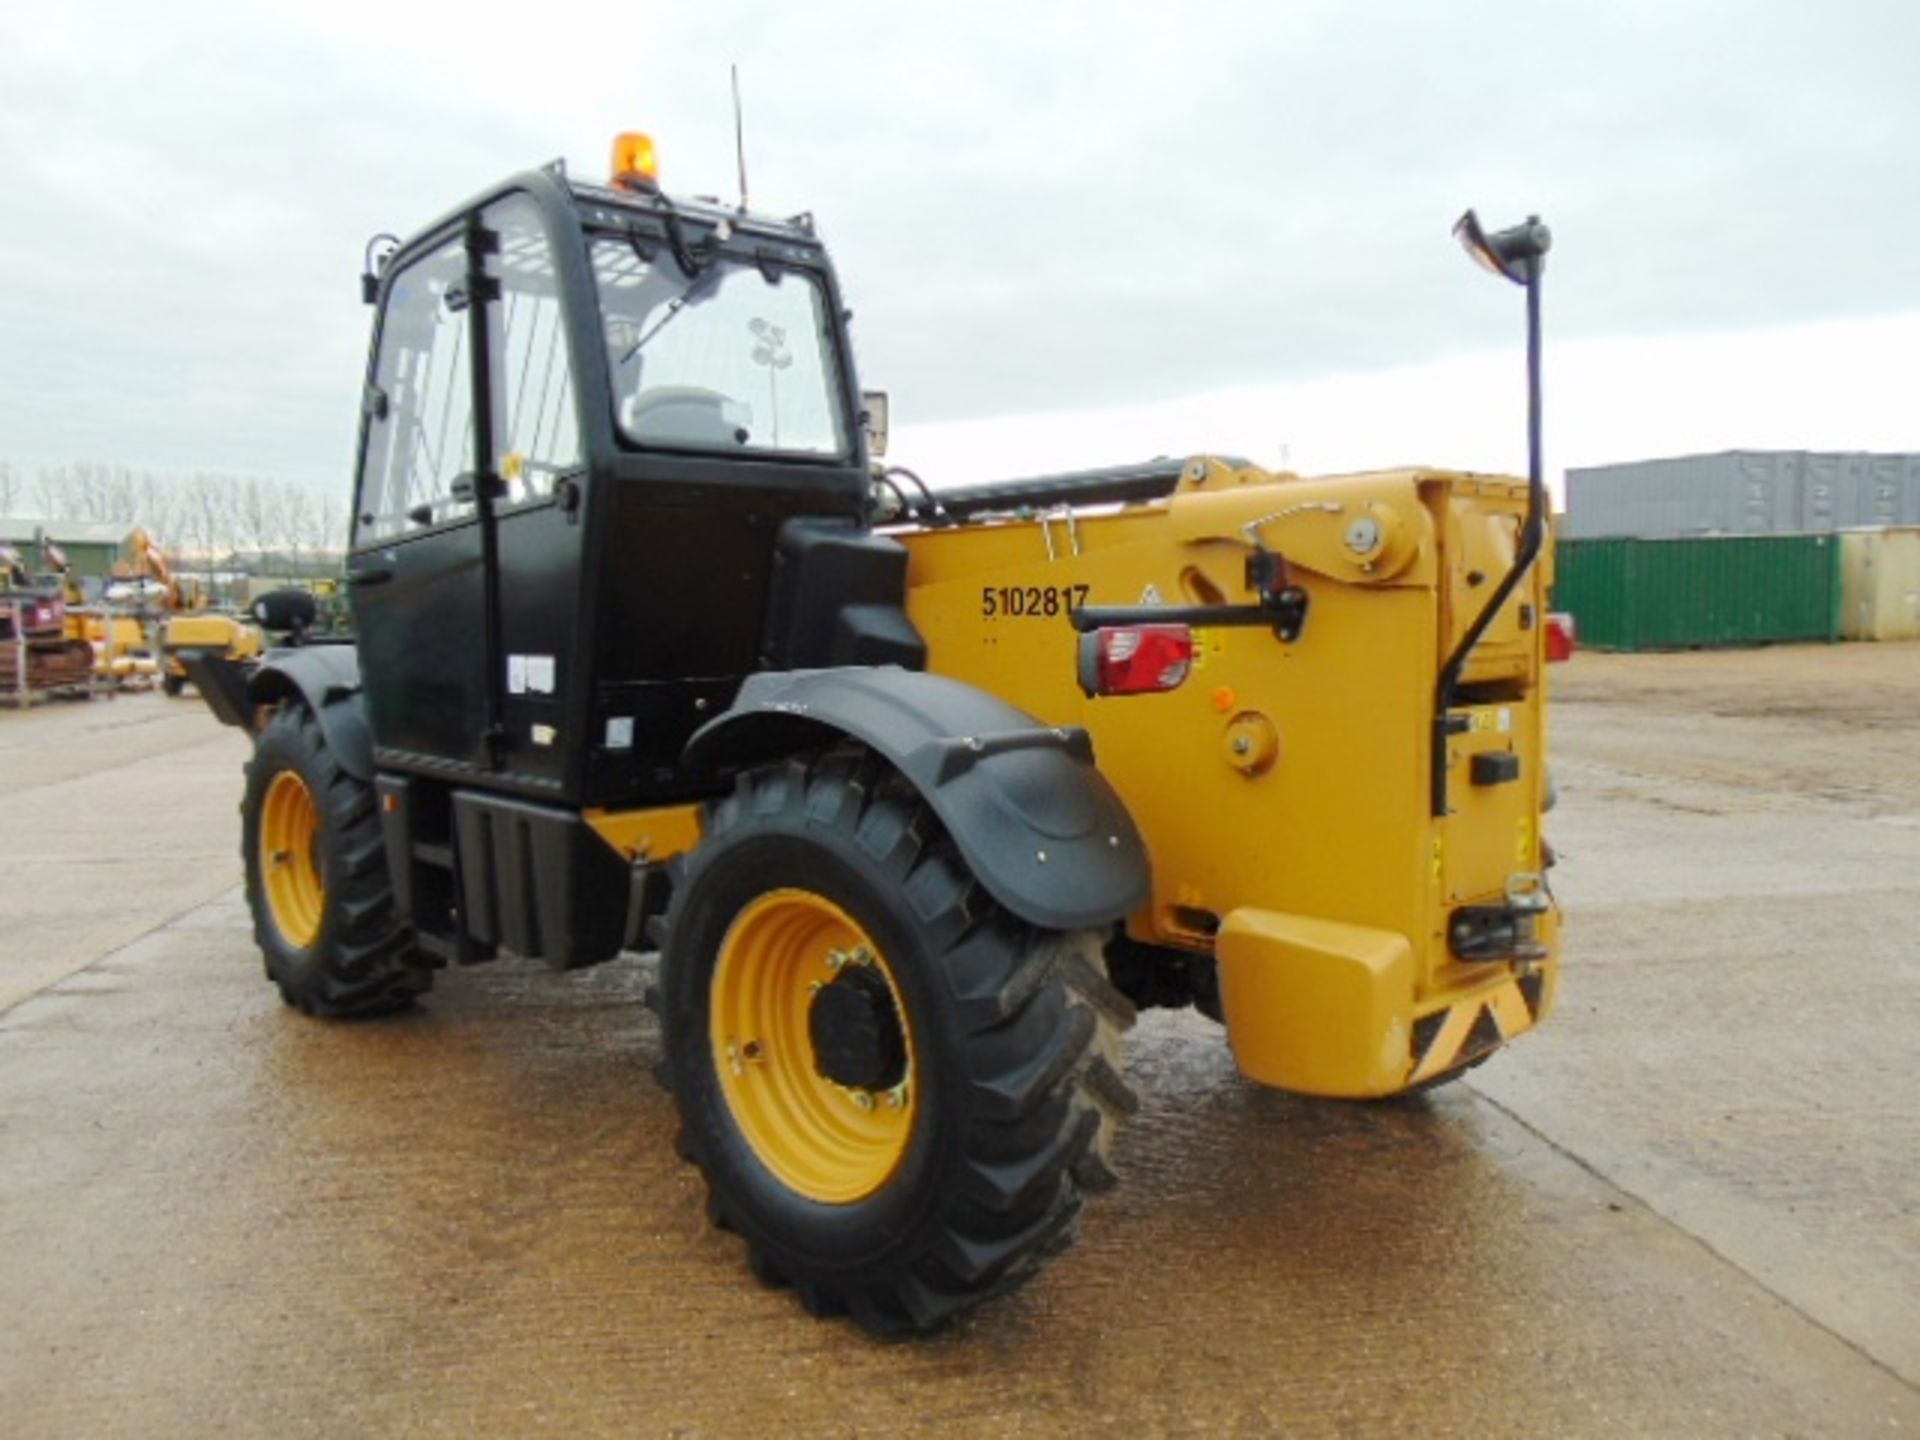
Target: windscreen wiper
point(702, 284)
point(674, 307)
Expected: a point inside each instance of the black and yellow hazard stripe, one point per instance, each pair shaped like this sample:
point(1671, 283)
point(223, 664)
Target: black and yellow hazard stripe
point(1461, 1033)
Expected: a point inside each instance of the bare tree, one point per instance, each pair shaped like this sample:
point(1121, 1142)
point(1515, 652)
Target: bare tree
point(207, 511)
point(157, 505)
point(92, 490)
point(203, 518)
point(297, 511)
point(119, 501)
point(335, 512)
point(49, 492)
point(256, 504)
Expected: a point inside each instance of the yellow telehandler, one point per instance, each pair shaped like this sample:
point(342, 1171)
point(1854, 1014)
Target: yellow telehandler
point(919, 794)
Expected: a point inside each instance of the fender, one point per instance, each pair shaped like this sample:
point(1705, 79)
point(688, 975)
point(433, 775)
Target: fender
point(327, 679)
point(1034, 820)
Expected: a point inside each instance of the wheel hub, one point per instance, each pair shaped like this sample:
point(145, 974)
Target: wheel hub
point(290, 871)
point(813, 1046)
point(855, 1029)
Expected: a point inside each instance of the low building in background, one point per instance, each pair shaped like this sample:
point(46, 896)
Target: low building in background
point(1743, 492)
point(92, 547)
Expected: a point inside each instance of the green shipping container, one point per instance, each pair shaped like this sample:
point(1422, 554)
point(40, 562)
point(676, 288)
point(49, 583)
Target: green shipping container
point(1699, 593)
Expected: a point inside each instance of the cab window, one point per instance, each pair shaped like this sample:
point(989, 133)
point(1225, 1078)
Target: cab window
point(420, 436)
point(731, 358)
point(419, 466)
point(536, 417)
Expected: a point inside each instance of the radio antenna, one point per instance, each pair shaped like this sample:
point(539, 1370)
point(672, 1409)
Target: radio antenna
point(739, 136)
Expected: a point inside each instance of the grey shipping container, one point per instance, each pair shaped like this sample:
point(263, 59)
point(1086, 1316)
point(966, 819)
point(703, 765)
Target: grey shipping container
point(1890, 492)
point(1743, 492)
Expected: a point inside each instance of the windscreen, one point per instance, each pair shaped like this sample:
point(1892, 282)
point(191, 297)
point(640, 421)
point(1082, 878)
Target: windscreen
point(731, 358)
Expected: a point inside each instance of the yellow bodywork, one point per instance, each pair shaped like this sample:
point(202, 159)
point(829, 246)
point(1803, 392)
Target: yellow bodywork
point(647, 835)
point(227, 635)
point(1283, 790)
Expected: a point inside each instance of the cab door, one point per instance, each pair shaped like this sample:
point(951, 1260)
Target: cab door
point(455, 676)
point(417, 568)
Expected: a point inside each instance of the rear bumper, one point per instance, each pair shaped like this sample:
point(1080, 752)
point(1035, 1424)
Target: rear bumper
point(1325, 1008)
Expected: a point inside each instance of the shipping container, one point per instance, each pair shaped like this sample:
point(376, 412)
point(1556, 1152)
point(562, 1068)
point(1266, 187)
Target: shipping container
point(1634, 594)
point(1892, 494)
point(1880, 584)
point(1743, 492)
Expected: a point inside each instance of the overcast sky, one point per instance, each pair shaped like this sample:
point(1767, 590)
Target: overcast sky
point(1071, 233)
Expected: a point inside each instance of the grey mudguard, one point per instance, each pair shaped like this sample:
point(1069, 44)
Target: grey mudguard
point(1033, 818)
point(327, 678)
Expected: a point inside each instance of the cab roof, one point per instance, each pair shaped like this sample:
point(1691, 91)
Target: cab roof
point(616, 203)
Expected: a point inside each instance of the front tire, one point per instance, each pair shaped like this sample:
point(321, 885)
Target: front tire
point(317, 879)
point(898, 1092)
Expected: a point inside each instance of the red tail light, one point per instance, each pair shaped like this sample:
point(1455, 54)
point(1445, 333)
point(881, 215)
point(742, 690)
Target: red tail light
point(1135, 659)
point(1560, 636)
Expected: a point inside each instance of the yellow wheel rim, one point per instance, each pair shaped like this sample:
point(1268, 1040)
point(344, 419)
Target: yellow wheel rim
point(289, 828)
point(831, 1143)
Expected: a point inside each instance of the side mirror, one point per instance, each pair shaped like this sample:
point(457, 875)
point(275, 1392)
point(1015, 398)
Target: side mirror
point(873, 417)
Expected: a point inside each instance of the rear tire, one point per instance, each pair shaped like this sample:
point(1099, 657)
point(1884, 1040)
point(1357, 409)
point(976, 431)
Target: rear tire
point(1011, 1037)
point(323, 906)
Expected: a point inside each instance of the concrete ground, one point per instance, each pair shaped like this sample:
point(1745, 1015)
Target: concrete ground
point(1688, 1205)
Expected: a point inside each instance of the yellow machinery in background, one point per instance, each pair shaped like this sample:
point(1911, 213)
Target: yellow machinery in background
point(203, 632)
point(114, 630)
point(147, 617)
point(193, 627)
point(173, 618)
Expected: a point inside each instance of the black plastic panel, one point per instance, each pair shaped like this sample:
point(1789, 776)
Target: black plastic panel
point(222, 684)
point(327, 678)
point(683, 607)
point(642, 756)
point(422, 644)
point(838, 598)
point(397, 830)
point(1034, 820)
point(538, 881)
point(1495, 767)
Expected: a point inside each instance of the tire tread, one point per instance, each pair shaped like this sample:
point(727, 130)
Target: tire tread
point(1043, 1026)
point(361, 964)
